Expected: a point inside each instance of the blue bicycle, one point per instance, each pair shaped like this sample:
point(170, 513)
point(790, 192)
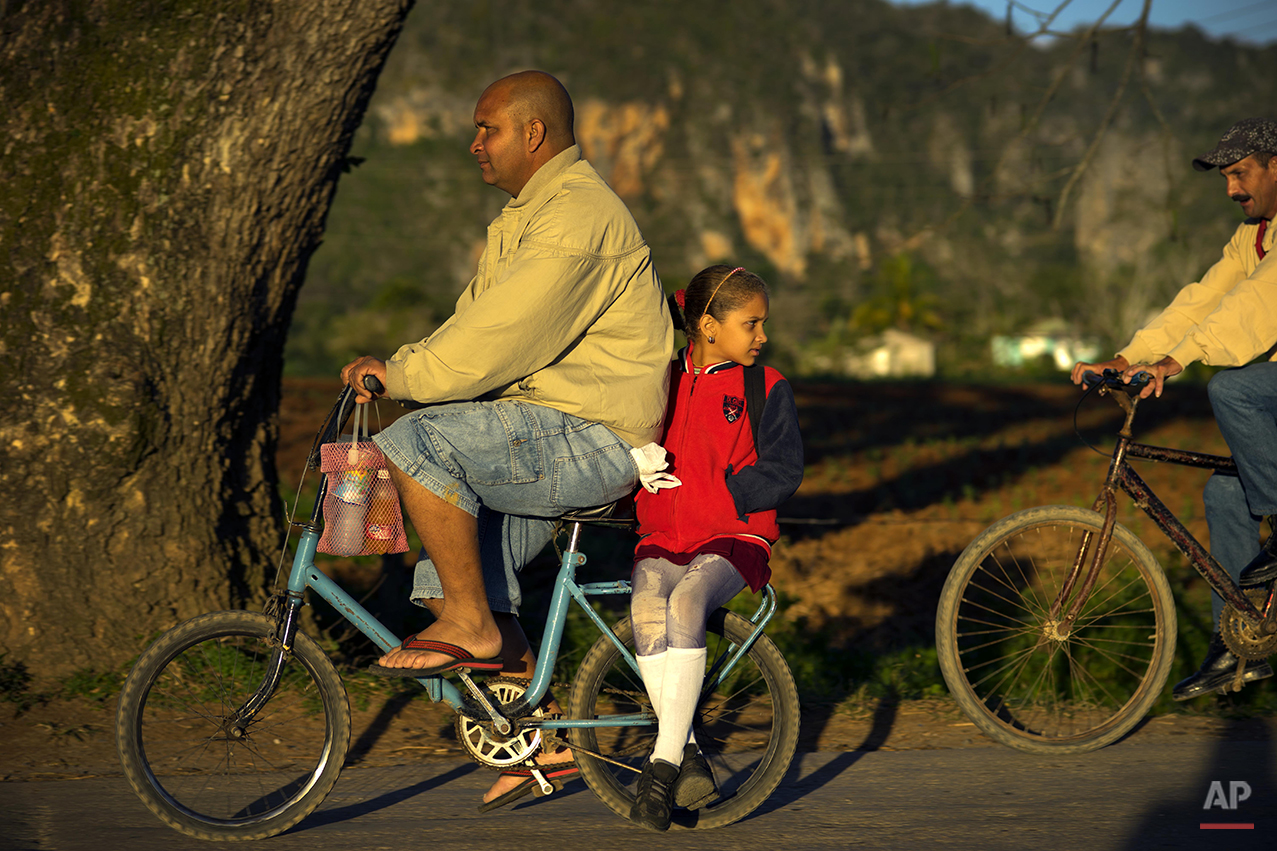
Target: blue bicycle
point(235, 725)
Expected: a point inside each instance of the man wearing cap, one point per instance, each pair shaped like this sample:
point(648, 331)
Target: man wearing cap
point(1229, 318)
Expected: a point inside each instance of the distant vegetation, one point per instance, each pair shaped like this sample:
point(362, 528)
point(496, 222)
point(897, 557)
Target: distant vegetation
point(828, 144)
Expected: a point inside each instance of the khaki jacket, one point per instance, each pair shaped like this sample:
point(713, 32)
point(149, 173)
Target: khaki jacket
point(566, 311)
point(1229, 318)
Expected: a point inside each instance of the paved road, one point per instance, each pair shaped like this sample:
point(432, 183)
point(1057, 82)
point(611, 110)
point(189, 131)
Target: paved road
point(1130, 796)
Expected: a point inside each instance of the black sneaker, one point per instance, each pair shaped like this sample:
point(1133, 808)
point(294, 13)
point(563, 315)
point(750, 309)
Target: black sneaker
point(655, 795)
point(1218, 670)
point(695, 785)
point(1263, 567)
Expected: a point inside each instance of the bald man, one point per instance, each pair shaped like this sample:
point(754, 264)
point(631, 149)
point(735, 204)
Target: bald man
point(553, 366)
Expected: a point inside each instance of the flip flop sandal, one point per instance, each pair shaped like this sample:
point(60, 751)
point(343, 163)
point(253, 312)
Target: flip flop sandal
point(461, 658)
point(556, 777)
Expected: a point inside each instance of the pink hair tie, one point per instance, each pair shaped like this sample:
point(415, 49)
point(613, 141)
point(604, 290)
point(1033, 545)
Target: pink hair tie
point(680, 298)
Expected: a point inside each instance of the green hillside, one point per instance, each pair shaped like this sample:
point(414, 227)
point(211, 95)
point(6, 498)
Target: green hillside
point(815, 141)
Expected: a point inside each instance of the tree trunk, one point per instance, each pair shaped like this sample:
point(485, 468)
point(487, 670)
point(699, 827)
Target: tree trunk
point(166, 171)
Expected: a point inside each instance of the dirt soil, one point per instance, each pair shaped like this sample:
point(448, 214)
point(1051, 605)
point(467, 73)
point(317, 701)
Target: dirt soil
point(74, 740)
point(899, 479)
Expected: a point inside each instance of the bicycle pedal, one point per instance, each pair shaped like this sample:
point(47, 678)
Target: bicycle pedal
point(544, 787)
point(1238, 678)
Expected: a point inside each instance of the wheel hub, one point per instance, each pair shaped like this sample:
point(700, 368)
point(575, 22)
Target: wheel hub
point(1052, 630)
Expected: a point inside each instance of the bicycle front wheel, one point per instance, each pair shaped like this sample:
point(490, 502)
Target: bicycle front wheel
point(1022, 676)
point(746, 724)
point(203, 770)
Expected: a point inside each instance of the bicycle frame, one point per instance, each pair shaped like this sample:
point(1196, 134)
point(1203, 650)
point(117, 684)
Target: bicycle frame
point(305, 575)
point(1122, 476)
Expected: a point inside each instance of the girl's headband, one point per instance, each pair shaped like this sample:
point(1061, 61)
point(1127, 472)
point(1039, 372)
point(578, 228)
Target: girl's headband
point(720, 286)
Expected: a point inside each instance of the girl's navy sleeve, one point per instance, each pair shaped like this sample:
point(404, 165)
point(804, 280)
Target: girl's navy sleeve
point(778, 472)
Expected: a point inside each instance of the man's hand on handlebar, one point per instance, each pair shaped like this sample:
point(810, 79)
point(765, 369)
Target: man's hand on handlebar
point(1118, 364)
point(1158, 372)
point(353, 373)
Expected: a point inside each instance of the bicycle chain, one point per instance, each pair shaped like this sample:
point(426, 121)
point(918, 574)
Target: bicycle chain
point(1242, 637)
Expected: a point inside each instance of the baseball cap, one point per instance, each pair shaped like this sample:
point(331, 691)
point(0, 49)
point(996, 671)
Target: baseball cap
point(1242, 139)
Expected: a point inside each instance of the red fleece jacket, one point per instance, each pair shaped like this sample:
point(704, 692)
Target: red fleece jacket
point(730, 487)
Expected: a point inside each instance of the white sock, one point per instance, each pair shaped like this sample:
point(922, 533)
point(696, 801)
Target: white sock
point(680, 690)
point(652, 670)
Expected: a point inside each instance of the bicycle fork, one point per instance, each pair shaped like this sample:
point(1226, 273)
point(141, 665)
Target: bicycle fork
point(237, 723)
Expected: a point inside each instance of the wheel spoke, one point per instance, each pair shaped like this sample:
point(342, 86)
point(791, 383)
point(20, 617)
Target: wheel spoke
point(746, 724)
point(217, 780)
point(1032, 681)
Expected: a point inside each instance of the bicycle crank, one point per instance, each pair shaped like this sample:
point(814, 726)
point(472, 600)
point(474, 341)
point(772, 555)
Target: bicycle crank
point(1243, 638)
point(485, 745)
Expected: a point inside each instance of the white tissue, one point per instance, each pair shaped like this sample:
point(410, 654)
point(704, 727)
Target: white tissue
point(651, 463)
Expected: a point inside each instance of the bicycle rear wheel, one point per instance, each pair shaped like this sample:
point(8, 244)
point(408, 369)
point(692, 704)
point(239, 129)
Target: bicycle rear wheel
point(747, 727)
point(1021, 679)
point(202, 772)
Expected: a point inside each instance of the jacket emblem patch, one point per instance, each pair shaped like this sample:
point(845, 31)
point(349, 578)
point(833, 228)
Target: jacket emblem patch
point(733, 408)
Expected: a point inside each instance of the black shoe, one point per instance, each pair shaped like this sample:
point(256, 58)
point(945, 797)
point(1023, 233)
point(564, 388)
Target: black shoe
point(655, 795)
point(1218, 670)
point(1263, 567)
point(695, 786)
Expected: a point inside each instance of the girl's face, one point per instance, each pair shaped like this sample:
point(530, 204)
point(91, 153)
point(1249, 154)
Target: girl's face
point(739, 337)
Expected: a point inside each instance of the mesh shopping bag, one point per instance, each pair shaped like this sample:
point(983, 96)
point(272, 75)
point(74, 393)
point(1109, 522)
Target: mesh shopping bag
point(361, 510)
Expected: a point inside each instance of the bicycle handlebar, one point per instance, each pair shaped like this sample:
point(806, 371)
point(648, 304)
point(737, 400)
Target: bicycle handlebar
point(338, 416)
point(1112, 379)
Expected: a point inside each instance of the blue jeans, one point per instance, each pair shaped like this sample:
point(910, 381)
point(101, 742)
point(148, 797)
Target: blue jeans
point(1245, 404)
point(516, 467)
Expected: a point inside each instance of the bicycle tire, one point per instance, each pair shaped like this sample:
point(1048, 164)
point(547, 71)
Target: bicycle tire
point(1019, 680)
point(747, 729)
point(186, 763)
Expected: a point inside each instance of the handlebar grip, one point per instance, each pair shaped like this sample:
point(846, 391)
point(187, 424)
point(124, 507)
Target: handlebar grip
point(1113, 379)
point(373, 385)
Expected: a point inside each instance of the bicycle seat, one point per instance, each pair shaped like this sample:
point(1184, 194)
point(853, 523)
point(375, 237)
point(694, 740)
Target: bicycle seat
point(619, 514)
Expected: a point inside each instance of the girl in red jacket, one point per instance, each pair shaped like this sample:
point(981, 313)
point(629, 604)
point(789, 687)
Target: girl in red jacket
point(708, 537)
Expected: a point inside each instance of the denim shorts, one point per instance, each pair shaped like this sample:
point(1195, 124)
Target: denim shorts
point(514, 466)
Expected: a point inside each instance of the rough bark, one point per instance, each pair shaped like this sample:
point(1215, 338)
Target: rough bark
point(166, 171)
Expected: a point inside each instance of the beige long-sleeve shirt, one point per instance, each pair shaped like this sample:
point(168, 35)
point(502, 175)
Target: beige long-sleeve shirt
point(1227, 319)
point(566, 311)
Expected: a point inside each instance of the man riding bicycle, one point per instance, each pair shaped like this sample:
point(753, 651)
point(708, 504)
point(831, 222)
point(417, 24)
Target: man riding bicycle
point(1229, 318)
point(553, 367)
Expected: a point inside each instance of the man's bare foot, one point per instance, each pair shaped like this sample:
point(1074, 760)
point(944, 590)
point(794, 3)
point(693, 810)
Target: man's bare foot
point(479, 646)
point(506, 782)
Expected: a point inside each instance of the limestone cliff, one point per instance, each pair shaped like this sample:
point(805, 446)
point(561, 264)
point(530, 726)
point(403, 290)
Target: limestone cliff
point(817, 140)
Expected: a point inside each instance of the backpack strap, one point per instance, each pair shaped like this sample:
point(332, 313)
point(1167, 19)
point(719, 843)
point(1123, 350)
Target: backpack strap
point(755, 397)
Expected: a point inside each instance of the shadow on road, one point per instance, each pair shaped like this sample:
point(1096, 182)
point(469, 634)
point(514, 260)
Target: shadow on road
point(795, 787)
point(1214, 796)
point(377, 727)
point(389, 799)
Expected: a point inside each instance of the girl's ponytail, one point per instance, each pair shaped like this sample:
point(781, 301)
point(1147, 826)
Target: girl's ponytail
point(676, 302)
